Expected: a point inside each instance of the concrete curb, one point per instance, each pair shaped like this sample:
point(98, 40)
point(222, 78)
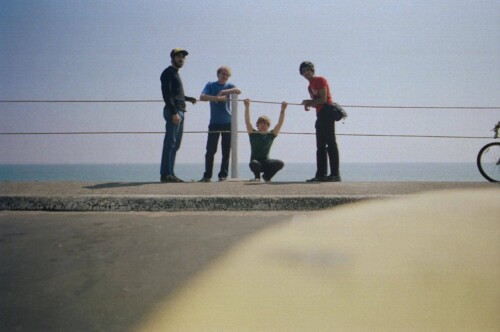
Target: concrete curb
point(176, 203)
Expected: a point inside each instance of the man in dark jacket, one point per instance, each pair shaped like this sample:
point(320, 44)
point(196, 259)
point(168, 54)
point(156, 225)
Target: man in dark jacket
point(173, 112)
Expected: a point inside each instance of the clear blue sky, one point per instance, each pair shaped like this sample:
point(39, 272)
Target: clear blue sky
point(379, 52)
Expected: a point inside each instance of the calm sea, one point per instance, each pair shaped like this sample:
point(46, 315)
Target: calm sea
point(350, 172)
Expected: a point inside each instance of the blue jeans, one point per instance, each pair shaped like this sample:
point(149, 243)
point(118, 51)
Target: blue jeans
point(171, 142)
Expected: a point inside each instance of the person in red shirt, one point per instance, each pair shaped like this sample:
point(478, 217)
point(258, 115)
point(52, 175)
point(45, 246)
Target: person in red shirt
point(326, 145)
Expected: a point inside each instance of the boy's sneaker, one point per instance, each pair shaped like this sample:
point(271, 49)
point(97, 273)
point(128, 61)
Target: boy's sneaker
point(222, 179)
point(204, 179)
point(255, 180)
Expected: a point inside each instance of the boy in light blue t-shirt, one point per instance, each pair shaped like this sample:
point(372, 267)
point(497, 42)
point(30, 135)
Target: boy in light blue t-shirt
point(218, 93)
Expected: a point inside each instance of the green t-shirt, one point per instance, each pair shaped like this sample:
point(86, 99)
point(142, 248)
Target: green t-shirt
point(260, 144)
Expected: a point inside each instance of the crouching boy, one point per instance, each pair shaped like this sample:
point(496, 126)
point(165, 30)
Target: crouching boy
point(261, 140)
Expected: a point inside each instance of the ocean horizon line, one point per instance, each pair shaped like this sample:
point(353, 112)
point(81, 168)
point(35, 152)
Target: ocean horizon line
point(191, 172)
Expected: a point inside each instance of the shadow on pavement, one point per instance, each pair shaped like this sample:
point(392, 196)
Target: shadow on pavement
point(279, 183)
point(120, 185)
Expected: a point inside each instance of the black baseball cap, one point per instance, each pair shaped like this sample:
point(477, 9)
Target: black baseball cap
point(176, 51)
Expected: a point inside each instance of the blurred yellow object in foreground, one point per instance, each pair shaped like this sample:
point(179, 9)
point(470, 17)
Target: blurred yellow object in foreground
point(429, 262)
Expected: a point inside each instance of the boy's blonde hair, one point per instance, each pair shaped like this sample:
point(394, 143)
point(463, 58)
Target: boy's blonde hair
point(264, 119)
point(226, 68)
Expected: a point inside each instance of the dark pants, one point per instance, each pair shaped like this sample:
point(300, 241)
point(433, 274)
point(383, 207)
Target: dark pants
point(171, 142)
point(212, 142)
point(269, 167)
point(326, 145)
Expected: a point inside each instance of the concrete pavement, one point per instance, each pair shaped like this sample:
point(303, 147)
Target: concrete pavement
point(115, 271)
point(107, 271)
point(88, 271)
point(226, 196)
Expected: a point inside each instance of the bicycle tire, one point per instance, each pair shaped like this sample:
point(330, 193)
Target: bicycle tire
point(488, 161)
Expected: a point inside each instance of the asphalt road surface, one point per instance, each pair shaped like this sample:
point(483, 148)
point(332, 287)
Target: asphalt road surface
point(107, 271)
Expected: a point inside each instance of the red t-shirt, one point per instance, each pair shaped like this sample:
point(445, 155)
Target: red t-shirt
point(316, 84)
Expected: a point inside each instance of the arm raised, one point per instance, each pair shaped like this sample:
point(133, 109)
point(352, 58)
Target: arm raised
point(277, 128)
point(247, 116)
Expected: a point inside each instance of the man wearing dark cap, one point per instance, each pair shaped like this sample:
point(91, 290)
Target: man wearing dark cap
point(173, 112)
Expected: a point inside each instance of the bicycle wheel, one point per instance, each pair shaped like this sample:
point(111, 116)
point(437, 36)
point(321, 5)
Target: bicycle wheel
point(488, 161)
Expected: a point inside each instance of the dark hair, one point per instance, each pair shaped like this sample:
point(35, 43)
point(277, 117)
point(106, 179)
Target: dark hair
point(306, 64)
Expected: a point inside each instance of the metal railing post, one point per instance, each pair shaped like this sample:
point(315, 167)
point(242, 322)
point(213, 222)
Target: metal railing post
point(234, 136)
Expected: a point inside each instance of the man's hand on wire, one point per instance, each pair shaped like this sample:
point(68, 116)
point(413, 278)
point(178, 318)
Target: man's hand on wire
point(307, 104)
